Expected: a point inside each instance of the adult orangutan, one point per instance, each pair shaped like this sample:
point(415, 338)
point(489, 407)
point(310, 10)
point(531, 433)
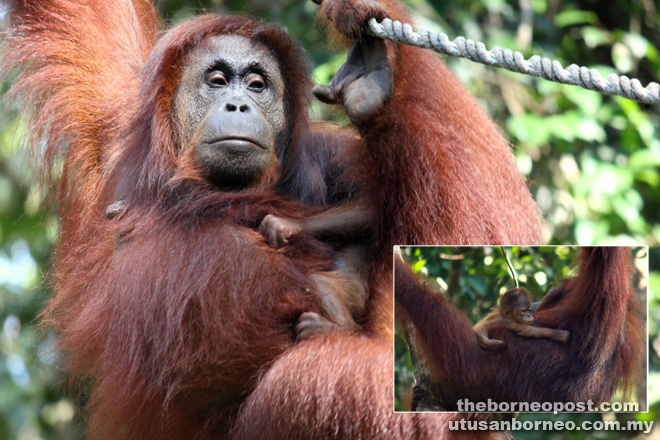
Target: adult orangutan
point(176, 311)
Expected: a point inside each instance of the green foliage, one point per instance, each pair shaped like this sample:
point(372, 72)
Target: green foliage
point(592, 162)
point(484, 274)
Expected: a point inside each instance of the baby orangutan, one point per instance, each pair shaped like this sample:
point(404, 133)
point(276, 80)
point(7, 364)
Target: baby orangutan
point(515, 313)
point(342, 292)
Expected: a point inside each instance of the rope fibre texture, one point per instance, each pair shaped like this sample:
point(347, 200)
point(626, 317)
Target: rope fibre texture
point(545, 68)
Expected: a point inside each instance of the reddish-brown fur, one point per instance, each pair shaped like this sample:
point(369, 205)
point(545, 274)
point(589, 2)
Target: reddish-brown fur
point(177, 312)
point(605, 350)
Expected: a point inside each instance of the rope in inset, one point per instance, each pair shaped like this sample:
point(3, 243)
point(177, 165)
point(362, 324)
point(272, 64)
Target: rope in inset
point(515, 61)
point(512, 271)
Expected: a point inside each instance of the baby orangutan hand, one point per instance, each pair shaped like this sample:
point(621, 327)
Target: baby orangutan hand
point(562, 336)
point(278, 230)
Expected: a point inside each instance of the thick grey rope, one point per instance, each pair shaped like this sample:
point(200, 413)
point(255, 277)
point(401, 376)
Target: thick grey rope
point(514, 61)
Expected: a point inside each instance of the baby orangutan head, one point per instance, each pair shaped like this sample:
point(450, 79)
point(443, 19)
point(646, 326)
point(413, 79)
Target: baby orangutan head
point(516, 305)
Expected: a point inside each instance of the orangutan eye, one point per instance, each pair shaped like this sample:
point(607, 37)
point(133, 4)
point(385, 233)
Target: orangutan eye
point(216, 79)
point(256, 82)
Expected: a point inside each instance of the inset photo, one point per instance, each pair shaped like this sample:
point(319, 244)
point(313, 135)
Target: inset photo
point(520, 329)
